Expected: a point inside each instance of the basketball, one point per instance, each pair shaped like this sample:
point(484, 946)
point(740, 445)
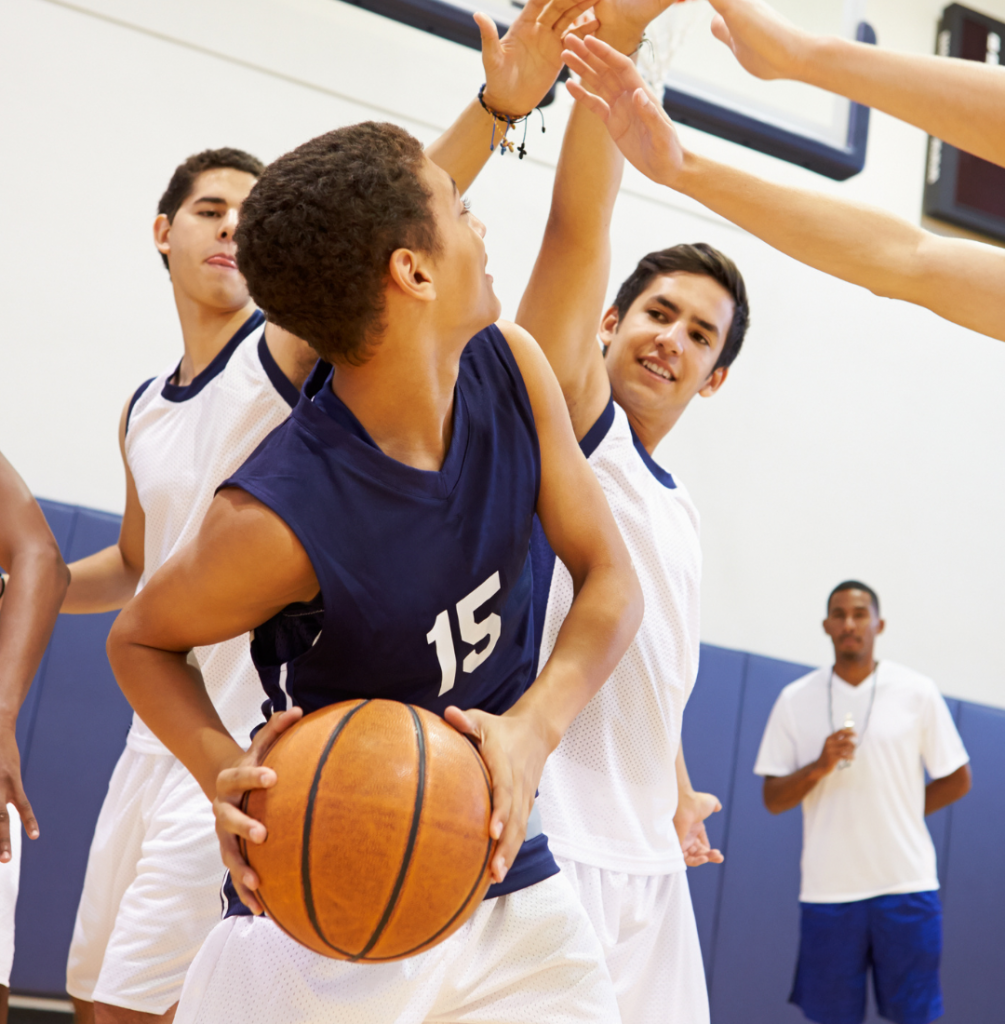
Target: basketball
point(378, 840)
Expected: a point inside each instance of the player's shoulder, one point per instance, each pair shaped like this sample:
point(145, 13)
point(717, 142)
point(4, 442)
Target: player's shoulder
point(892, 673)
point(806, 686)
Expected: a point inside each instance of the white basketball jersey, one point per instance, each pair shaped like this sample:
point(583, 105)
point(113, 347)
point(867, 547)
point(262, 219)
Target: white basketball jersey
point(609, 791)
point(181, 444)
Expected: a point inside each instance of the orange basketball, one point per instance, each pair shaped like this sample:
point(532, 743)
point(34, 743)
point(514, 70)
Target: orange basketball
point(378, 831)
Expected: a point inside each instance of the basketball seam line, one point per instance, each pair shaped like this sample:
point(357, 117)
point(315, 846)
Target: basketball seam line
point(420, 796)
point(305, 866)
point(467, 899)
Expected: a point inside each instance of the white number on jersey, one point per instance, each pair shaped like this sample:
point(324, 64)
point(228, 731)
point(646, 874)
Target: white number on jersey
point(473, 632)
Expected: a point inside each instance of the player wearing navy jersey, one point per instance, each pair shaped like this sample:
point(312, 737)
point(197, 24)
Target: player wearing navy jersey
point(397, 505)
point(616, 800)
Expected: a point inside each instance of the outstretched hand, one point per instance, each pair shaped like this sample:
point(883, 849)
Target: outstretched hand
point(521, 67)
point(612, 88)
point(514, 753)
point(689, 821)
point(765, 43)
point(232, 824)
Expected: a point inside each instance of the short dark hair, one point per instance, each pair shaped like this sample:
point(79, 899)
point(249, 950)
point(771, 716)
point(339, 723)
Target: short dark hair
point(699, 258)
point(183, 180)
point(854, 585)
point(319, 227)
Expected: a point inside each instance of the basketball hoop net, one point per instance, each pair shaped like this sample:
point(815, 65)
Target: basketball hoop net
point(665, 36)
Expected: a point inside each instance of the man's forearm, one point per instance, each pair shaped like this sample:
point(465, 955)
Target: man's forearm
point(961, 102)
point(38, 581)
point(782, 793)
point(170, 697)
point(601, 623)
point(102, 582)
point(961, 281)
point(463, 149)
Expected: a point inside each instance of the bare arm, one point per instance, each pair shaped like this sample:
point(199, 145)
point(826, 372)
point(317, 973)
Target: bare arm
point(106, 580)
point(565, 296)
point(519, 70)
point(961, 102)
point(605, 613)
point(689, 820)
point(292, 354)
point(782, 793)
point(38, 580)
point(960, 280)
point(940, 793)
point(210, 591)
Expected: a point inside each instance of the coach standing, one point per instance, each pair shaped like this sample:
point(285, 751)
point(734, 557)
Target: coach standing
point(852, 743)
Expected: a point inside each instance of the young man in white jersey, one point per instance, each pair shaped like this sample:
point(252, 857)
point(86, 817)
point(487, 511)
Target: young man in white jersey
point(151, 892)
point(615, 797)
point(852, 743)
point(28, 610)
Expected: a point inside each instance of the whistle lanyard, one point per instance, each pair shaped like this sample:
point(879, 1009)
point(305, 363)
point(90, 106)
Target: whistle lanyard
point(868, 714)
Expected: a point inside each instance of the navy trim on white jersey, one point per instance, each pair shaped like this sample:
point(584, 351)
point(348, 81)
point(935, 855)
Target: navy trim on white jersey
point(182, 393)
point(650, 463)
point(596, 433)
point(280, 381)
point(136, 397)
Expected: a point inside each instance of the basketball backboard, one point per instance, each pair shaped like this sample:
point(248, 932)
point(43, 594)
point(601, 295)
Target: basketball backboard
point(704, 85)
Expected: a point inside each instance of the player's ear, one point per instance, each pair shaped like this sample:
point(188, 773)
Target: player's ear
point(409, 271)
point(881, 626)
point(715, 381)
point(162, 227)
point(608, 327)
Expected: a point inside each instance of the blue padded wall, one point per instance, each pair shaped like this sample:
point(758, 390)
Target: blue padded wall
point(72, 728)
point(973, 963)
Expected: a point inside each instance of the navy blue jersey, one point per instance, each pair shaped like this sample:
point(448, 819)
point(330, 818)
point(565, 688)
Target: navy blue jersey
point(425, 577)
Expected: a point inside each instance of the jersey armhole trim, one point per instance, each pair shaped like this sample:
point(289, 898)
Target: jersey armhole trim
point(136, 397)
point(596, 433)
point(652, 465)
point(279, 380)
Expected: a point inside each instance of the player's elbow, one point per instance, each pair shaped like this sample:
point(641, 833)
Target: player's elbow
point(123, 640)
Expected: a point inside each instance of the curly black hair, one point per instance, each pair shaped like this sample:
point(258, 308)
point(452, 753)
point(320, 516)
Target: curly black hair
point(183, 180)
point(318, 229)
point(699, 258)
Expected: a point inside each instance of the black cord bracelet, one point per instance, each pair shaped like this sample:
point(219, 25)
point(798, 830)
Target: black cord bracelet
point(509, 121)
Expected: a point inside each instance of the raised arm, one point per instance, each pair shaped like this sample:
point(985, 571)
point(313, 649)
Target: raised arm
point(605, 613)
point(31, 598)
point(106, 580)
point(210, 591)
point(961, 102)
point(565, 297)
point(520, 68)
point(962, 281)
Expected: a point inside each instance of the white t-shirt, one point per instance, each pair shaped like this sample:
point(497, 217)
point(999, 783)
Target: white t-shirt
point(864, 830)
point(609, 791)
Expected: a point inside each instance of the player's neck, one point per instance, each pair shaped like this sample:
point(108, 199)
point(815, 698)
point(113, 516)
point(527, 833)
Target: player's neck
point(854, 670)
point(650, 429)
point(404, 396)
point(205, 330)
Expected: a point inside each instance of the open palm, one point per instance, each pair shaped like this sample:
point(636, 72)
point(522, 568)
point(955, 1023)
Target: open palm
point(521, 67)
point(612, 88)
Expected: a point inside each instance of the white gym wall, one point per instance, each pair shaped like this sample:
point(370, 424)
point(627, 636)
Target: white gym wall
point(855, 437)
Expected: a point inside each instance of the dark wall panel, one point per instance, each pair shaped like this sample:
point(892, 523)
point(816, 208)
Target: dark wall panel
point(973, 964)
point(711, 720)
point(758, 929)
point(78, 732)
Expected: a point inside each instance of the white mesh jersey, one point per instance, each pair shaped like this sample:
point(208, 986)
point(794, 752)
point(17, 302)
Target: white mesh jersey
point(181, 443)
point(609, 791)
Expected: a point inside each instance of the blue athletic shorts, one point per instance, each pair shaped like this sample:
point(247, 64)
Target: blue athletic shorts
point(899, 937)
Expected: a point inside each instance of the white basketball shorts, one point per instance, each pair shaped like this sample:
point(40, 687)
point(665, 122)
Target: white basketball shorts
point(152, 889)
point(527, 958)
point(646, 927)
point(10, 874)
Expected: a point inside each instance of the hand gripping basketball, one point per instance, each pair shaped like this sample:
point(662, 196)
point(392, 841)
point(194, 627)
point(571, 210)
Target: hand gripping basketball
point(369, 830)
